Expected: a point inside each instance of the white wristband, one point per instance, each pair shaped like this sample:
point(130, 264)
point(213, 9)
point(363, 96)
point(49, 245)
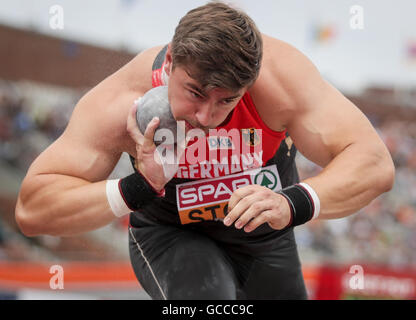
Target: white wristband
point(315, 198)
point(115, 200)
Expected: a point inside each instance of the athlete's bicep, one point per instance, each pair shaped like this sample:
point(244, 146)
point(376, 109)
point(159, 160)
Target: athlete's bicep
point(96, 134)
point(92, 142)
point(76, 154)
point(324, 122)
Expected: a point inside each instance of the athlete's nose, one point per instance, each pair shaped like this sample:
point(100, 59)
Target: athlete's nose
point(204, 114)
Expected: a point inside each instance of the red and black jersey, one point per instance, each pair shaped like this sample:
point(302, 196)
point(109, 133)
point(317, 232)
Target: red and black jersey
point(242, 143)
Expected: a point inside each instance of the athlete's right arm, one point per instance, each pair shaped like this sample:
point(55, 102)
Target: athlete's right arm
point(64, 191)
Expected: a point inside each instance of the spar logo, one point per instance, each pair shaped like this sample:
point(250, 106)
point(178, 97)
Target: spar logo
point(207, 199)
point(266, 178)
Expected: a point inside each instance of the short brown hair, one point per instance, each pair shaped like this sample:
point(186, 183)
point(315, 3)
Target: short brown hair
point(221, 46)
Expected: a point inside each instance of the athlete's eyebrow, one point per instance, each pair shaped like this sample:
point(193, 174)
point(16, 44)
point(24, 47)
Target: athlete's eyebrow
point(233, 97)
point(202, 93)
point(196, 88)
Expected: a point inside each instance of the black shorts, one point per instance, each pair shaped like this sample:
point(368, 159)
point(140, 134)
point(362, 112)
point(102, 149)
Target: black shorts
point(179, 264)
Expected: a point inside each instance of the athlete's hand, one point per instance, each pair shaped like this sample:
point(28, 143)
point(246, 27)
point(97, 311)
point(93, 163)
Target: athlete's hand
point(253, 205)
point(156, 169)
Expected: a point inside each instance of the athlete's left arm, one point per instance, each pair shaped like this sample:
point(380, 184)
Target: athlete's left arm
point(326, 128)
point(331, 131)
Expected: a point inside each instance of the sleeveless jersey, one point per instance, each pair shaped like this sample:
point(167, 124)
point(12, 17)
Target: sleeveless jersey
point(242, 150)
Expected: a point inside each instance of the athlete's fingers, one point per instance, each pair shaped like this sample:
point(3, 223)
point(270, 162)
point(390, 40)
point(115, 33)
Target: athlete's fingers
point(148, 143)
point(238, 204)
point(132, 127)
point(237, 211)
point(257, 206)
point(263, 217)
point(239, 194)
point(277, 214)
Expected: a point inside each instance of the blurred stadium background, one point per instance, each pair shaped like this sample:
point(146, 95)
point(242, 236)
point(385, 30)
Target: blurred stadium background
point(44, 71)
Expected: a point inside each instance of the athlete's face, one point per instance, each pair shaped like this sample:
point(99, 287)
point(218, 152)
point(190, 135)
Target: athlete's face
point(204, 110)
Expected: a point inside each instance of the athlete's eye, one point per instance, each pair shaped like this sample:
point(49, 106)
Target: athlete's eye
point(228, 101)
point(195, 95)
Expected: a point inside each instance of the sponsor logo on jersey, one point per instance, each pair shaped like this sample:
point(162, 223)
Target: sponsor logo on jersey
point(207, 199)
point(218, 142)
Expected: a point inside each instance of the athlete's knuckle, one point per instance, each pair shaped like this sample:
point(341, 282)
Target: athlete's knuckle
point(269, 194)
point(268, 215)
point(272, 205)
point(255, 206)
point(238, 190)
point(244, 201)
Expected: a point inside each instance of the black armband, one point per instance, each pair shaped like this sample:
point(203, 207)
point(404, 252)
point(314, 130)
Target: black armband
point(300, 202)
point(137, 192)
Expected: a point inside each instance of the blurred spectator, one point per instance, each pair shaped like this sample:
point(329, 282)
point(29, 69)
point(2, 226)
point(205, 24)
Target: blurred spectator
point(26, 126)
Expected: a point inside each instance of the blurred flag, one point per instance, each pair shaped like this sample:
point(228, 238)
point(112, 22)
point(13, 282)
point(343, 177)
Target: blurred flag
point(323, 33)
point(127, 3)
point(411, 51)
point(70, 49)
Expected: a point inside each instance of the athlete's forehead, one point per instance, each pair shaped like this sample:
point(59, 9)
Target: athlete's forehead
point(188, 74)
point(191, 83)
point(218, 91)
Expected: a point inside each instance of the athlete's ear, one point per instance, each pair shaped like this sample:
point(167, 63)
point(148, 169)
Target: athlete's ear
point(168, 60)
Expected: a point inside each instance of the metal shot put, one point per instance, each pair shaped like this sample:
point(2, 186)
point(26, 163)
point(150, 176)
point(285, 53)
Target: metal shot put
point(155, 103)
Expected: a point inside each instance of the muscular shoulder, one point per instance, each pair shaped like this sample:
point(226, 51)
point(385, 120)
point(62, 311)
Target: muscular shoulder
point(137, 74)
point(283, 83)
point(106, 106)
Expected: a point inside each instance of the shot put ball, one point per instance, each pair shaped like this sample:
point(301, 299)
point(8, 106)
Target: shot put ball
point(155, 103)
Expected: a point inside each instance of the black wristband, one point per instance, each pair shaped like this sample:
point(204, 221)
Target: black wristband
point(136, 191)
point(300, 202)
